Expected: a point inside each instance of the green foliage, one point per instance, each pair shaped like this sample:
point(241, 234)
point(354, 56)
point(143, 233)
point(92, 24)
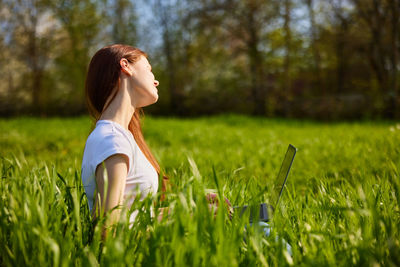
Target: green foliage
point(294, 58)
point(340, 207)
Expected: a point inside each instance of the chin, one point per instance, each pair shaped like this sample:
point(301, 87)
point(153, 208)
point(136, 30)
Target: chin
point(150, 101)
point(155, 98)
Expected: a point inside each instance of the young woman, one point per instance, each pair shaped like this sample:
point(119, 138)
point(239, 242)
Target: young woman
point(119, 83)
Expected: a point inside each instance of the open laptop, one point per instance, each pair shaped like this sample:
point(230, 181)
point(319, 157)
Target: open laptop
point(279, 185)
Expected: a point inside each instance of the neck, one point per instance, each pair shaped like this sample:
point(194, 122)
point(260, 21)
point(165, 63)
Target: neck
point(121, 108)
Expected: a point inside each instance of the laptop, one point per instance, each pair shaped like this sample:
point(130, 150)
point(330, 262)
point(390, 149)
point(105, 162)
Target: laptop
point(265, 209)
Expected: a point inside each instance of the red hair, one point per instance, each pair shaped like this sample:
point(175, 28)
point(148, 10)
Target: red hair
point(102, 83)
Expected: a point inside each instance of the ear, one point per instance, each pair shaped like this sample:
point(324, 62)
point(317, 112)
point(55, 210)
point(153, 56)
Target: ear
point(125, 67)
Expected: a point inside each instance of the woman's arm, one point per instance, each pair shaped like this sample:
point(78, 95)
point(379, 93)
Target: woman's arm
point(117, 169)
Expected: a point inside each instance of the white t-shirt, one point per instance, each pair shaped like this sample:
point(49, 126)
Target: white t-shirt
point(107, 139)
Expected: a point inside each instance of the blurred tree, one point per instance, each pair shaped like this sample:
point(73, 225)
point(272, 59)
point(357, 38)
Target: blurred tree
point(381, 18)
point(30, 41)
point(74, 47)
point(316, 65)
point(7, 86)
point(342, 18)
point(245, 24)
point(169, 21)
point(123, 18)
point(288, 42)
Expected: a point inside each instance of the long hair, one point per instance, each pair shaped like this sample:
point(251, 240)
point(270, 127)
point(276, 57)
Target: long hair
point(102, 83)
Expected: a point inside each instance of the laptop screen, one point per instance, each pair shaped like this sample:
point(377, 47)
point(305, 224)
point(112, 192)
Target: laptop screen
point(283, 174)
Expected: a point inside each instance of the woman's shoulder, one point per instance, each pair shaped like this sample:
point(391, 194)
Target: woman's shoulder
point(108, 133)
point(104, 141)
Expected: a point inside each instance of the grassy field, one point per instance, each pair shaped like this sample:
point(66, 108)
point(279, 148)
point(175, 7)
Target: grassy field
point(340, 207)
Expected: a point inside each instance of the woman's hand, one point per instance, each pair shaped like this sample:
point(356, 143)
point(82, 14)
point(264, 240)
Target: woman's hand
point(212, 199)
point(163, 213)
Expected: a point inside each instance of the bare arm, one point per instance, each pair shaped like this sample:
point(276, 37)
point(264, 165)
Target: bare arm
point(117, 169)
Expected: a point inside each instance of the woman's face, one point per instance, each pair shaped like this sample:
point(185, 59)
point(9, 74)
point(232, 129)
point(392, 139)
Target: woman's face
point(143, 83)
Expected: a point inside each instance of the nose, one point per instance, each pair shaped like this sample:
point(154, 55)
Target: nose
point(156, 83)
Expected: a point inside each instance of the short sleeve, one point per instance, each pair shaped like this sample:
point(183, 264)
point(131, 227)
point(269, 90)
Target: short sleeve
point(110, 145)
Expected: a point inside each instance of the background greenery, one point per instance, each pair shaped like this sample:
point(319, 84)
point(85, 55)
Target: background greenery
point(325, 59)
point(340, 207)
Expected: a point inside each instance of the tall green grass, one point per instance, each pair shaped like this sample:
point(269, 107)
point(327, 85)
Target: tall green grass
point(340, 207)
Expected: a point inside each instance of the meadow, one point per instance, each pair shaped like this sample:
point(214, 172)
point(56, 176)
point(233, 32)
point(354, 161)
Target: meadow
point(341, 205)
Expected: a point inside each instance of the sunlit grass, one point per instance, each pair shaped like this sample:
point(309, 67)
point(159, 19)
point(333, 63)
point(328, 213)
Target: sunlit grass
point(341, 205)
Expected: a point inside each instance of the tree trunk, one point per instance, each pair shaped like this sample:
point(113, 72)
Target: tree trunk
point(394, 45)
point(36, 71)
point(341, 68)
point(373, 16)
point(175, 101)
point(255, 65)
point(176, 98)
point(315, 50)
point(286, 63)
point(288, 38)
